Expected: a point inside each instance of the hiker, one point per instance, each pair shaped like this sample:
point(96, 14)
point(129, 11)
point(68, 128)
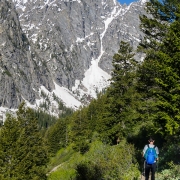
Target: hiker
point(150, 153)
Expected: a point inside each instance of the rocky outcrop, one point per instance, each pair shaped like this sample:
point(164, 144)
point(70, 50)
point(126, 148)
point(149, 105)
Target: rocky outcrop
point(20, 75)
point(69, 43)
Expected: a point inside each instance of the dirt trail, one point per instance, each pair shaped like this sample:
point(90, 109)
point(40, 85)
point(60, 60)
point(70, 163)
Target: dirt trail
point(142, 177)
point(54, 169)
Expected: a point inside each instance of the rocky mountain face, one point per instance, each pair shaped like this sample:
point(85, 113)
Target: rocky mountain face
point(61, 50)
point(21, 73)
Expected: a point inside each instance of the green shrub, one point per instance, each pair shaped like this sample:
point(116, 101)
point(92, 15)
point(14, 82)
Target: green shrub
point(63, 174)
point(65, 163)
point(88, 171)
point(100, 162)
point(109, 162)
point(63, 155)
point(170, 174)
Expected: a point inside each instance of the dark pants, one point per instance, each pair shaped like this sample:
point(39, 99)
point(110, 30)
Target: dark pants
point(150, 168)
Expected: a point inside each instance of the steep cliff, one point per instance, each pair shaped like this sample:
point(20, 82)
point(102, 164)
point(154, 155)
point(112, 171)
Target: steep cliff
point(20, 76)
point(61, 47)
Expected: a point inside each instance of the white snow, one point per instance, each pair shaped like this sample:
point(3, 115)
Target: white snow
point(115, 2)
point(79, 1)
point(65, 95)
point(143, 1)
point(4, 111)
point(79, 40)
point(21, 3)
point(62, 93)
point(34, 38)
point(95, 78)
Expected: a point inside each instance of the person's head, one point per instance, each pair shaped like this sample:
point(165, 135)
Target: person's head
point(151, 140)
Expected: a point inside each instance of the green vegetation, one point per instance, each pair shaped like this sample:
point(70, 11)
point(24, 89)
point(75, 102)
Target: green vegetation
point(173, 173)
point(143, 100)
point(7, 73)
point(105, 139)
point(23, 153)
point(45, 120)
point(102, 161)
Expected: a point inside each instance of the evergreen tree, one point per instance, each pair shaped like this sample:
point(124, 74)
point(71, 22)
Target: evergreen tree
point(56, 135)
point(168, 117)
point(9, 135)
point(121, 95)
point(23, 152)
point(159, 73)
point(155, 25)
point(80, 132)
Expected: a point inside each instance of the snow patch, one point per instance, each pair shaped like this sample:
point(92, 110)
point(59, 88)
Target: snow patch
point(4, 111)
point(96, 79)
point(66, 96)
point(79, 40)
point(143, 1)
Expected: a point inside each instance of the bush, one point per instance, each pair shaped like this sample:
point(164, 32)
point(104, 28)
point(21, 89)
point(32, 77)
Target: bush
point(88, 171)
point(63, 174)
point(100, 162)
point(170, 174)
point(109, 162)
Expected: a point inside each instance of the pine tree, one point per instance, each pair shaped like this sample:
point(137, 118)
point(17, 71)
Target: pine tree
point(168, 80)
point(121, 95)
point(56, 135)
point(23, 152)
point(80, 132)
point(9, 135)
point(159, 75)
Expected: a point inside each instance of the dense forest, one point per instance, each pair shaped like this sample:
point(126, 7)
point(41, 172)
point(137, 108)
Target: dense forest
point(104, 140)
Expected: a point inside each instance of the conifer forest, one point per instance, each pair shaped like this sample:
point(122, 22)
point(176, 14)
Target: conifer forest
point(104, 140)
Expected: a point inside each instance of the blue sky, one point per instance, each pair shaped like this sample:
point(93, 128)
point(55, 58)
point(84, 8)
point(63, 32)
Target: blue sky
point(126, 1)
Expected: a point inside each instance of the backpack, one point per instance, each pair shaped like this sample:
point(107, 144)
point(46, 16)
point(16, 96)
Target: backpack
point(150, 155)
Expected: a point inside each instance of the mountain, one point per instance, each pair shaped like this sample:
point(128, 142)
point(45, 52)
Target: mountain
point(54, 51)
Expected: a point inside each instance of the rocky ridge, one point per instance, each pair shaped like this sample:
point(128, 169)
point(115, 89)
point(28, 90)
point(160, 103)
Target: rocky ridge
point(53, 50)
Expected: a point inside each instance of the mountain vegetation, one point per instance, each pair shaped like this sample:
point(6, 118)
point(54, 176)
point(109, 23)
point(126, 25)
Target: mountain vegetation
point(23, 153)
point(105, 139)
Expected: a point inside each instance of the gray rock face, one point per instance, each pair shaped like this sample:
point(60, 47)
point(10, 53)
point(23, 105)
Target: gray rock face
point(44, 42)
point(20, 76)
